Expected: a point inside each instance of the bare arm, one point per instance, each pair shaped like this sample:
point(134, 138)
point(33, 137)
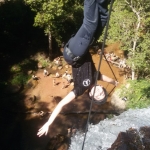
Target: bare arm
point(66, 100)
point(109, 80)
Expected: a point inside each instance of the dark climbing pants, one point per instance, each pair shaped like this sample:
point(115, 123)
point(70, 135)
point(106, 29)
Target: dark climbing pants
point(95, 18)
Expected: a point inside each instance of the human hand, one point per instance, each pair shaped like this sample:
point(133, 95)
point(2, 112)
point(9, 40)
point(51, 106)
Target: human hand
point(116, 83)
point(43, 130)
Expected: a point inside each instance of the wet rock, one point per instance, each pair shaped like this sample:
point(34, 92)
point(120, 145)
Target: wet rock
point(12, 89)
point(29, 101)
point(145, 132)
point(40, 66)
point(45, 73)
point(64, 146)
point(54, 67)
point(66, 66)
point(30, 72)
point(50, 66)
point(59, 142)
point(72, 83)
point(31, 84)
point(60, 67)
point(131, 140)
point(117, 102)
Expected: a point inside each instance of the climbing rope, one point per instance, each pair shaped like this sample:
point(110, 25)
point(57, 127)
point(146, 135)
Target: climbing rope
point(110, 66)
point(105, 35)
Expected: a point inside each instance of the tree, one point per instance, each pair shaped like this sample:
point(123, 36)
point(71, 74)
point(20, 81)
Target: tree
point(129, 25)
point(138, 8)
point(56, 17)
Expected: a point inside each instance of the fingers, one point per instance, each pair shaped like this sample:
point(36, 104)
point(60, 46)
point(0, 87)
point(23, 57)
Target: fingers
point(40, 133)
point(43, 130)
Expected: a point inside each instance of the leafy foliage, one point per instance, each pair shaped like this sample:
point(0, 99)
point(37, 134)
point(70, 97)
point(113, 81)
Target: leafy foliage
point(20, 79)
point(142, 56)
point(129, 25)
point(19, 72)
point(137, 93)
point(45, 62)
point(60, 17)
point(120, 25)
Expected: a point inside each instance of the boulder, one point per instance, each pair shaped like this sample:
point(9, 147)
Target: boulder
point(117, 102)
point(29, 101)
point(131, 140)
point(66, 66)
point(60, 67)
point(30, 72)
point(40, 66)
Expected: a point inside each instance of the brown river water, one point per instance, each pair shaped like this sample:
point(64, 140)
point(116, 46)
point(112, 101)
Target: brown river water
point(19, 125)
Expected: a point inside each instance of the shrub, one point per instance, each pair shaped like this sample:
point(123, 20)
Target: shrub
point(20, 78)
point(137, 93)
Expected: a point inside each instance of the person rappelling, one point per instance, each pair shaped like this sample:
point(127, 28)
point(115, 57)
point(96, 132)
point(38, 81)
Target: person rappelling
point(77, 55)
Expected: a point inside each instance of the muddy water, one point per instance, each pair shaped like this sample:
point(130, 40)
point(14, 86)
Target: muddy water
point(18, 130)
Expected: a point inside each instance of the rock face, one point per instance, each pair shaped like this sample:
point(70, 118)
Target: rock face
point(117, 102)
point(29, 101)
point(39, 66)
point(132, 140)
point(13, 89)
point(128, 131)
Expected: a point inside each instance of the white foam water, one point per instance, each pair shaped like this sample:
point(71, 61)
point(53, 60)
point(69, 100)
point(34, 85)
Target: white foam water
point(103, 135)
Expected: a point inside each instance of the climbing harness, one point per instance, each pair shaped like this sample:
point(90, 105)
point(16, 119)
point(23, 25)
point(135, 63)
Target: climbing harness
point(105, 35)
point(69, 53)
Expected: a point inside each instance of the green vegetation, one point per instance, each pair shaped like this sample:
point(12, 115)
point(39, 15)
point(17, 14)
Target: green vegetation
point(109, 116)
point(20, 78)
point(58, 18)
point(129, 25)
point(137, 93)
point(45, 62)
point(19, 72)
